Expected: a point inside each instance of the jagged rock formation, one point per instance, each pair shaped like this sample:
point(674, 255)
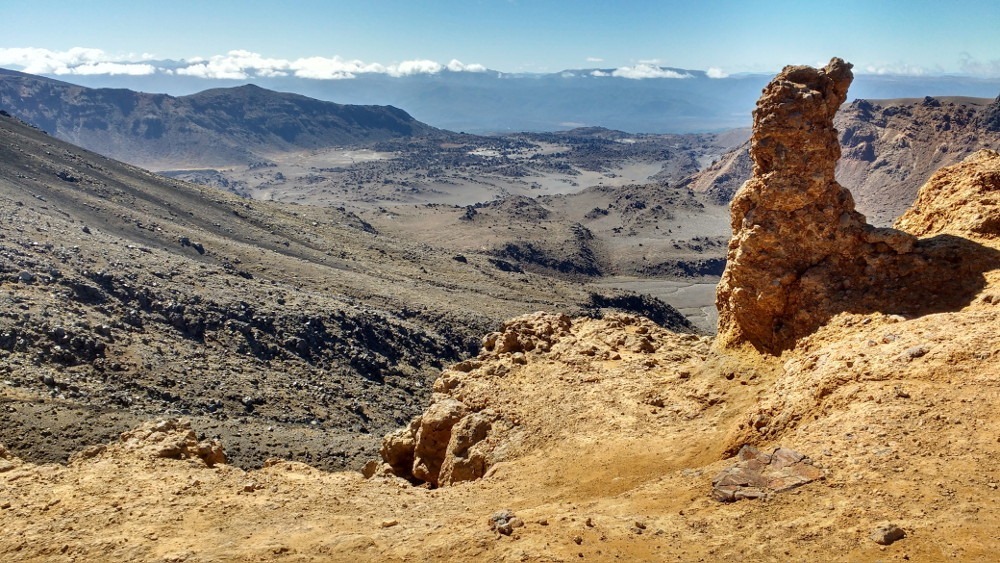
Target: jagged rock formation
point(478, 415)
point(892, 147)
point(800, 253)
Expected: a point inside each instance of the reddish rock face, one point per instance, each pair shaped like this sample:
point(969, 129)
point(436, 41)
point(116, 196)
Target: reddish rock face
point(800, 253)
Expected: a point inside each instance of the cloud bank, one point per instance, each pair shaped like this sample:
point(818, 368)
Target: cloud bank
point(641, 71)
point(896, 69)
point(234, 65)
point(78, 60)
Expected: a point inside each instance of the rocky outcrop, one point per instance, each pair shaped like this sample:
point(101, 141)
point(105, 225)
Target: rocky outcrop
point(758, 474)
point(532, 378)
point(169, 439)
point(800, 253)
point(943, 203)
point(440, 447)
point(989, 119)
point(448, 443)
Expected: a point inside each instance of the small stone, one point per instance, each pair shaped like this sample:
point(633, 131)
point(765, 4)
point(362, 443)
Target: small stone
point(887, 533)
point(501, 522)
point(577, 540)
point(389, 523)
point(915, 352)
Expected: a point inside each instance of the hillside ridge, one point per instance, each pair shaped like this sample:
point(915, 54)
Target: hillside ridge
point(213, 128)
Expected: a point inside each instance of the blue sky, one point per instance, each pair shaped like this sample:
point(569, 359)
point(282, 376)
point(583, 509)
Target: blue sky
point(397, 36)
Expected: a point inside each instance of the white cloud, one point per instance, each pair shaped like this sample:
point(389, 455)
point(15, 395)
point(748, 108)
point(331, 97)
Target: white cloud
point(408, 68)
point(901, 69)
point(595, 60)
point(236, 65)
point(645, 70)
point(112, 68)
point(600, 73)
point(44, 61)
point(969, 65)
point(567, 74)
point(244, 64)
point(335, 68)
point(716, 72)
point(78, 60)
point(456, 65)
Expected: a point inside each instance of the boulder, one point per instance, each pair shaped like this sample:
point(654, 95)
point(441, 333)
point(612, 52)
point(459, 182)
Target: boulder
point(463, 460)
point(433, 437)
point(887, 533)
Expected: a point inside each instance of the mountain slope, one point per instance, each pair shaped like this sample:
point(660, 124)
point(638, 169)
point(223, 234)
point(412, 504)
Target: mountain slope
point(213, 128)
point(127, 295)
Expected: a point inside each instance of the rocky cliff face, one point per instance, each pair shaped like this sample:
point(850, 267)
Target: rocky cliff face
point(800, 253)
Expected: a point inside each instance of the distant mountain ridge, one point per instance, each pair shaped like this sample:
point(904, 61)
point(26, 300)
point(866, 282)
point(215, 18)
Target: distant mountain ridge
point(644, 98)
point(889, 149)
point(213, 128)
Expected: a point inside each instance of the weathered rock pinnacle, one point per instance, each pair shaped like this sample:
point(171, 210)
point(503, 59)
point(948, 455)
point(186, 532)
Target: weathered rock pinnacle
point(800, 253)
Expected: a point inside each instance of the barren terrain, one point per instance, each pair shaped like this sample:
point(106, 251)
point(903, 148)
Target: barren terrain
point(292, 331)
point(557, 436)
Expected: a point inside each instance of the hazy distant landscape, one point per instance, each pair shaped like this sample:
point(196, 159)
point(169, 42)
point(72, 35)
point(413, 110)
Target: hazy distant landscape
point(491, 101)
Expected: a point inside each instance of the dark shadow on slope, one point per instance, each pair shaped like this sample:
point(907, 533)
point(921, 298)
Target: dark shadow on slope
point(943, 273)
